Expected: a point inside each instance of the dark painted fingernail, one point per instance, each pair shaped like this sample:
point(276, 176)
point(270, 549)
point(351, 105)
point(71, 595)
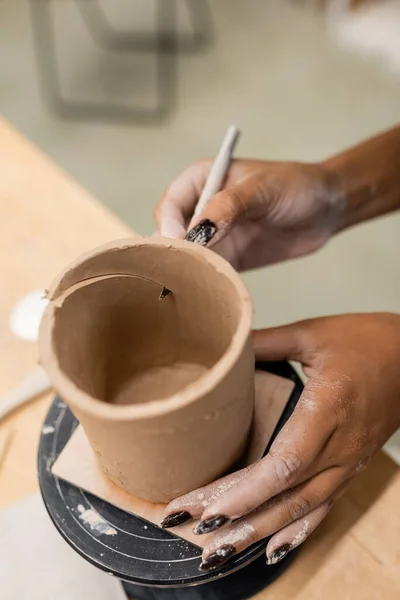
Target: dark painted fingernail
point(209, 525)
point(278, 554)
point(202, 233)
point(218, 558)
point(175, 519)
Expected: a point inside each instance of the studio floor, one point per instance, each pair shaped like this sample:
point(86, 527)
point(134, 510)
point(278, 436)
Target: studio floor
point(276, 70)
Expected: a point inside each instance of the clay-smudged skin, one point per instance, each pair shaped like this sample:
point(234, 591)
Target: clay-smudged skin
point(153, 382)
point(270, 211)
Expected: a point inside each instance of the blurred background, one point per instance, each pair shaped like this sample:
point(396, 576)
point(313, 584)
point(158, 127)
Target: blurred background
point(124, 94)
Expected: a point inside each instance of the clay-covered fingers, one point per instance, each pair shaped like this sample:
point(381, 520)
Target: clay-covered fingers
point(292, 459)
point(293, 513)
point(192, 505)
point(241, 196)
point(294, 456)
point(296, 533)
point(244, 534)
point(244, 200)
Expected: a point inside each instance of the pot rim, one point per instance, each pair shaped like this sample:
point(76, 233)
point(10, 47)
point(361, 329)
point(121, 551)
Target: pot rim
point(96, 407)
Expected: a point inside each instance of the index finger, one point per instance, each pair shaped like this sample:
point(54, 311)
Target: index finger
point(176, 207)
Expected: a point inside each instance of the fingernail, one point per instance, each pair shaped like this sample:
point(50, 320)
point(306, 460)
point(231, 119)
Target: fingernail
point(175, 519)
point(218, 558)
point(209, 525)
point(278, 554)
point(202, 233)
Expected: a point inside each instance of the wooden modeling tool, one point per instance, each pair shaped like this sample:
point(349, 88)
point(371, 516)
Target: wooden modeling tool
point(216, 177)
point(34, 385)
point(5, 440)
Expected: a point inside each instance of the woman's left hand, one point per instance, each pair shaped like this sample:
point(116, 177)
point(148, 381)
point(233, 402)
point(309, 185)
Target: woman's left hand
point(349, 407)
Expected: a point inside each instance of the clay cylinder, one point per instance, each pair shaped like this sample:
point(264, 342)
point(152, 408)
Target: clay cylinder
point(163, 388)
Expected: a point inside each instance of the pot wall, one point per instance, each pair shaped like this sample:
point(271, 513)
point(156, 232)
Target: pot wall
point(163, 388)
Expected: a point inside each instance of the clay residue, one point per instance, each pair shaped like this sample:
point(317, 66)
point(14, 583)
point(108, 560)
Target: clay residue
point(46, 429)
point(237, 535)
point(91, 517)
point(225, 484)
point(302, 534)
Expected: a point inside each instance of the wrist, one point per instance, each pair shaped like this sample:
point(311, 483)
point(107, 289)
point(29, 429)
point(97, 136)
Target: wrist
point(337, 196)
point(351, 196)
point(367, 177)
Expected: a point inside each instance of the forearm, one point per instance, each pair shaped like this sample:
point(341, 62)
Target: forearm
point(369, 177)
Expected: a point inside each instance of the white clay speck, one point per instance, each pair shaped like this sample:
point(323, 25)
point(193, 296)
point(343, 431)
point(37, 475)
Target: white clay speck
point(240, 532)
point(301, 536)
point(46, 429)
point(225, 485)
point(95, 521)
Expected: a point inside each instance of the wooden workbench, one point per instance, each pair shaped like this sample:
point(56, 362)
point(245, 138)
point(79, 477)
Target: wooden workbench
point(46, 220)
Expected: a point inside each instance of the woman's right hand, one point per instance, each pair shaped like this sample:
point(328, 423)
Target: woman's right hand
point(272, 211)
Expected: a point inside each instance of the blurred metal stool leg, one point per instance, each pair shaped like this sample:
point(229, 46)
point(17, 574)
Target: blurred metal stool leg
point(104, 33)
point(165, 44)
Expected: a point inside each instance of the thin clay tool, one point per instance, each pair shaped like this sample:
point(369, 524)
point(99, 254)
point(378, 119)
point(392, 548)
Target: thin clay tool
point(216, 177)
point(5, 441)
point(34, 385)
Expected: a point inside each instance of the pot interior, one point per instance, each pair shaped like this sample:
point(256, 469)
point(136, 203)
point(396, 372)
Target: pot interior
point(120, 344)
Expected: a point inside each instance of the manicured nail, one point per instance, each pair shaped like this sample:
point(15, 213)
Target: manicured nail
point(209, 525)
point(218, 558)
point(202, 233)
point(175, 519)
point(278, 554)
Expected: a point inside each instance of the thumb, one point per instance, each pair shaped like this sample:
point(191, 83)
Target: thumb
point(223, 211)
point(280, 343)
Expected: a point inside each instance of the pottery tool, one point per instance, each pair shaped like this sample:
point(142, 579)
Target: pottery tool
point(153, 563)
point(5, 440)
point(35, 384)
point(216, 177)
point(219, 169)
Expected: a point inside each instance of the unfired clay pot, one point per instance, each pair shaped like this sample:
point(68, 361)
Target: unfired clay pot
point(163, 388)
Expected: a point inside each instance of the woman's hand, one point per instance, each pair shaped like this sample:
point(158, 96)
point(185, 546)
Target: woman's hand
point(349, 407)
point(279, 210)
point(272, 210)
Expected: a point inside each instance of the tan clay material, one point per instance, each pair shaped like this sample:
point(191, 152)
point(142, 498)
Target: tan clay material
point(163, 388)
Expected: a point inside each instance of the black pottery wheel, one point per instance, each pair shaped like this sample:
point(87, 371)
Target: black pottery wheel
point(153, 563)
